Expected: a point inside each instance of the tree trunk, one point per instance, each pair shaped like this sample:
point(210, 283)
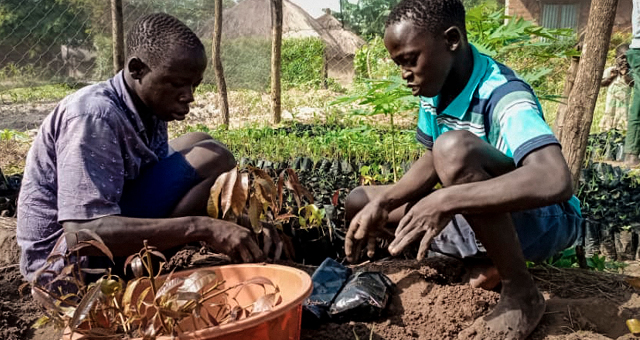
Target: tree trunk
point(573, 132)
point(217, 64)
point(568, 85)
point(117, 35)
point(276, 59)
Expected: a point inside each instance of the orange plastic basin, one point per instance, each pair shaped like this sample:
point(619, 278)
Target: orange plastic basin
point(281, 323)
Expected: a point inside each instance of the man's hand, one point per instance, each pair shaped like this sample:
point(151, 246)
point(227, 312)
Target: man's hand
point(233, 240)
point(367, 224)
point(424, 220)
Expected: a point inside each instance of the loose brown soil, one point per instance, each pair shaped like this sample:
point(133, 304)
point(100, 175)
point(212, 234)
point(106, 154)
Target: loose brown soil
point(428, 302)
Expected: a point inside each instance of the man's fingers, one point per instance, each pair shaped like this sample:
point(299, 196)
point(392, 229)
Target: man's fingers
point(371, 246)
point(361, 228)
point(401, 242)
point(406, 220)
point(424, 244)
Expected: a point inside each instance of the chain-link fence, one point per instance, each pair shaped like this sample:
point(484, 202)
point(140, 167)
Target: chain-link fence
point(70, 41)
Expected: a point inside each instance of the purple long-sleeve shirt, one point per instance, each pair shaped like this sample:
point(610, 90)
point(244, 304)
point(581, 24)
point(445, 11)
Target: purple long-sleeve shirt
point(85, 150)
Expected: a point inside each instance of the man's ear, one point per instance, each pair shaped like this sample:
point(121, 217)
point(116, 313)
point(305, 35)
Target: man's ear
point(453, 36)
point(137, 68)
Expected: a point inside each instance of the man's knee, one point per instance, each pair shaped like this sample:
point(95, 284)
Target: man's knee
point(210, 158)
point(455, 156)
point(356, 200)
point(188, 140)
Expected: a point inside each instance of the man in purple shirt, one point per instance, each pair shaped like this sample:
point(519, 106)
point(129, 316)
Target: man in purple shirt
point(102, 160)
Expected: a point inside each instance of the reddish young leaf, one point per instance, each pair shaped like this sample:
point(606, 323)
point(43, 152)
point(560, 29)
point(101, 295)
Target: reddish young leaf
point(334, 199)
point(255, 209)
point(265, 191)
point(213, 207)
point(85, 305)
point(240, 194)
point(59, 249)
point(226, 196)
point(298, 190)
point(259, 173)
point(44, 298)
point(280, 186)
point(159, 255)
point(92, 234)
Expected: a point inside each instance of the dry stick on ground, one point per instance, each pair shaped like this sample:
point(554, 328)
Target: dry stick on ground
point(579, 283)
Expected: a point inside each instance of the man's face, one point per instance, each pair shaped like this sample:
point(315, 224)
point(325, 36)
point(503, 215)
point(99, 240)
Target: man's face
point(425, 59)
point(167, 89)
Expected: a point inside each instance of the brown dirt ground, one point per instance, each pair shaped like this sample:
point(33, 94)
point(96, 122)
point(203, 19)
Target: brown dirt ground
point(428, 303)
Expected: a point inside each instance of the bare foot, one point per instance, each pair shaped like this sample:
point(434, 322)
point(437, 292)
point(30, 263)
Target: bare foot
point(517, 314)
point(483, 276)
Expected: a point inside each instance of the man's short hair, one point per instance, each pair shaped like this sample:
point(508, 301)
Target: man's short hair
point(155, 36)
point(432, 15)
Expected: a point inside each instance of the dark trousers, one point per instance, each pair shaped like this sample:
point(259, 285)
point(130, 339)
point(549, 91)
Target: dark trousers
point(632, 142)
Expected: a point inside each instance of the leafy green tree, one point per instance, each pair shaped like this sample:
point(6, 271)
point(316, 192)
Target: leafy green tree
point(31, 31)
point(366, 17)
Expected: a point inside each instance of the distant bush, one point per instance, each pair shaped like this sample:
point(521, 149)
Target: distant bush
point(247, 63)
point(302, 61)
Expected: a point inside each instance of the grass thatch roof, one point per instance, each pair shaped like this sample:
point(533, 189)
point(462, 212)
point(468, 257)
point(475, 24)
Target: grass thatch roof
point(348, 41)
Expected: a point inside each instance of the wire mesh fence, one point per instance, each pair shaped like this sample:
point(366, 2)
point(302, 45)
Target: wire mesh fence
point(70, 41)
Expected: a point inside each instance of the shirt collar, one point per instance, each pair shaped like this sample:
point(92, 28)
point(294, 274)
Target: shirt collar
point(460, 104)
point(120, 87)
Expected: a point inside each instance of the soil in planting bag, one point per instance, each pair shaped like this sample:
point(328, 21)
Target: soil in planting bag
point(363, 297)
point(607, 242)
point(591, 237)
point(626, 244)
point(327, 280)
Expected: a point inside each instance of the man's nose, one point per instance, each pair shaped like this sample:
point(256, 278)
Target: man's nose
point(187, 97)
point(406, 74)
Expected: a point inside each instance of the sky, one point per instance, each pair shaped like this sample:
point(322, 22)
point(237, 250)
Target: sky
point(314, 7)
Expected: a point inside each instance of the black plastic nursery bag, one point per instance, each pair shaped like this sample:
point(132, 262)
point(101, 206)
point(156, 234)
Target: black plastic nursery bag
point(328, 279)
point(363, 297)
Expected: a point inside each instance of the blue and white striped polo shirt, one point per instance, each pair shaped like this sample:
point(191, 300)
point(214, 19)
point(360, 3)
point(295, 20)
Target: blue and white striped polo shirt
point(495, 105)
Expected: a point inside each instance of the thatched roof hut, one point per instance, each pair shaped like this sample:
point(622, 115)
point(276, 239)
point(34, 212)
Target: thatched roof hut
point(252, 18)
point(348, 41)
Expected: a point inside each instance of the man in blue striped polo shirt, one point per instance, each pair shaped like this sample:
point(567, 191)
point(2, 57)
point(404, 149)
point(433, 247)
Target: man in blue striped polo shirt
point(505, 181)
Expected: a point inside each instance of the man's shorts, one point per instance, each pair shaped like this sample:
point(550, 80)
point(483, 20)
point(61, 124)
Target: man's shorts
point(542, 233)
point(159, 188)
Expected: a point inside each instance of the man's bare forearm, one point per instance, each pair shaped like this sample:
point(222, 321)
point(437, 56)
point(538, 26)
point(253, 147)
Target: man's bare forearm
point(415, 184)
point(125, 235)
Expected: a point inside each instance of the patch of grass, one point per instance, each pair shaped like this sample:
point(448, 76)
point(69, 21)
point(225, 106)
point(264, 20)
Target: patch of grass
point(51, 92)
point(13, 155)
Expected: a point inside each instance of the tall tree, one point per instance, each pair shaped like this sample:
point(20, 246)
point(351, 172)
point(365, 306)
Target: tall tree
point(276, 59)
point(217, 64)
point(573, 128)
